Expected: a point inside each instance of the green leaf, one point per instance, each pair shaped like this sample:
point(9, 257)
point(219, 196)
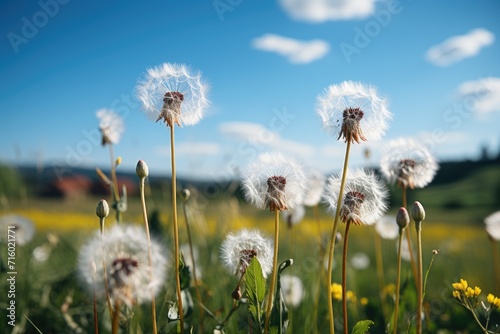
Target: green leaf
point(255, 289)
point(362, 327)
point(279, 314)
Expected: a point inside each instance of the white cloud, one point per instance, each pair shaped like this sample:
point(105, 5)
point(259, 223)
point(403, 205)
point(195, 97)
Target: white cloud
point(457, 48)
point(483, 95)
point(296, 51)
point(191, 148)
point(325, 10)
point(263, 138)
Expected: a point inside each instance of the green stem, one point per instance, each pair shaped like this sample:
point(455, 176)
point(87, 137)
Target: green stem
point(410, 247)
point(176, 230)
point(344, 281)
point(398, 282)
point(318, 284)
point(114, 187)
point(273, 274)
point(496, 264)
point(105, 271)
point(380, 271)
point(195, 278)
point(418, 226)
point(96, 319)
point(116, 317)
point(332, 239)
point(150, 257)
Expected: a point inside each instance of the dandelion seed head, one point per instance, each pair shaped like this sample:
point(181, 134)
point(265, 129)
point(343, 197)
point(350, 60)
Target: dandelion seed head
point(364, 199)
point(353, 111)
point(111, 126)
point(18, 227)
point(314, 188)
point(238, 249)
point(274, 181)
point(174, 94)
point(387, 227)
point(292, 290)
point(124, 250)
point(408, 164)
point(492, 224)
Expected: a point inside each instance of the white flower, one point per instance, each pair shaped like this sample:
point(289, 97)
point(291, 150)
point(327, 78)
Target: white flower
point(493, 225)
point(15, 228)
point(353, 111)
point(293, 216)
point(360, 261)
point(314, 188)
point(364, 200)
point(124, 250)
point(274, 181)
point(111, 126)
point(174, 94)
point(408, 163)
point(237, 251)
point(387, 227)
point(292, 290)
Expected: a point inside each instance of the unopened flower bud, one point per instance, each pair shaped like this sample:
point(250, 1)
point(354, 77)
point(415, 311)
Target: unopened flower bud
point(185, 194)
point(102, 209)
point(118, 161)
point(236, 294)
point(142, 169)
point(402, 218)
point(417, 212)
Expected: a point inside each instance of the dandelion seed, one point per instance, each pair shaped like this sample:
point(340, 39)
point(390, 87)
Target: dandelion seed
point(364, 201)
point(408, 164)
point(19, 227)
point(387, 227)
point(353, 111)
point(174, 94)
point(125, 254)
point(292, 290)
point(110, 125)
point(237, 251)
point(274, 181)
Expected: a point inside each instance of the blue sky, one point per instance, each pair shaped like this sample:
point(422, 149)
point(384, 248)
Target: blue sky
point(265, 61)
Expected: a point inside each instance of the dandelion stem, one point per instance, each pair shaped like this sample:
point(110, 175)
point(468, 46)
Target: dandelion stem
point(105, 272)
point(114, 187)
point(398, 283)
point(332, 238)
point(150, 257)
point(318, 285)
point(273, 274)
point(344, 281)
point(96, 318)
point(410, 247)
point(496, 264)
point(418, 226)
point(116, 317)
point(176, 229)
point(195, 278)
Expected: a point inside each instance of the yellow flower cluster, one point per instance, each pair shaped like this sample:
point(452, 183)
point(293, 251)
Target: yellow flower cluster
point(463, 291)
point(336, 291)
point(494, 301)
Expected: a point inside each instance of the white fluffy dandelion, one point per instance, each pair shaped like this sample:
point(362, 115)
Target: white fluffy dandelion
point(360, 261)
point(174, 94)
point(364, 199)
point(16, 228)
point(124, 251)
point(353, 111)
point(238, 249)
point(387, 227)
point(110, 125)
point(292, 290)
point(274, 181)
point(294, 216)
point(315, 183)
point(408, 164)
point(492, 223)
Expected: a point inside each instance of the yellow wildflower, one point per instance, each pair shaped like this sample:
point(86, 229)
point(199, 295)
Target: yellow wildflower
point(351, 296)
point(494, 301)
point(490, 298)
point(336, 291)
point(364, 301)
point(462, 285)
point(477, 291)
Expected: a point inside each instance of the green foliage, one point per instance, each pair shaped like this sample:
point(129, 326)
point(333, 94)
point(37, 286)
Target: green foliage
point(279, 313)
point(362, 327)
point(255, 290)
point(11, 182)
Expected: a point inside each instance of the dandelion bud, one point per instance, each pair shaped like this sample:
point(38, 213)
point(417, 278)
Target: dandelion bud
point(402, 218)
point(236, 294)
point(185, 194)
point(118, 161)
point(417, 212)
point(142, 169)
point(435, 251)
point(102, 209)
